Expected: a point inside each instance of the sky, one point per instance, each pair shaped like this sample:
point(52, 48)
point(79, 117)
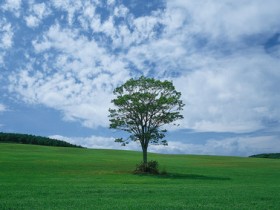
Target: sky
point(60, 61)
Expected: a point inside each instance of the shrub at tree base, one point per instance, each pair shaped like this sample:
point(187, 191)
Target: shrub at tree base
point(151, 167)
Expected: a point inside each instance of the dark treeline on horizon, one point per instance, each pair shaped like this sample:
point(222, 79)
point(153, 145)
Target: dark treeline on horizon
point(267, 155)
point(32, 139)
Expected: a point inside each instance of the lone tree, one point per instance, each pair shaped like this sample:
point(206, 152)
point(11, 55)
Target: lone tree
point(142, 107)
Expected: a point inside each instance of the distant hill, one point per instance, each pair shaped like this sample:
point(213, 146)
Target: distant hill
point(267, 155)
point(31, 139)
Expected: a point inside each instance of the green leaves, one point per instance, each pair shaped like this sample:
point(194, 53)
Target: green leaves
point(142, 107)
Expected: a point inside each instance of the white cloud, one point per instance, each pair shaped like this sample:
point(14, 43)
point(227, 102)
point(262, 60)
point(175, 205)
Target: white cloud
point(6, 34)
point(120, 11)
point(2, 108)
point(239, 146)
point(13, 6)
point(224, 91)
point(226, 83)
point(235, 94)
point(97, 142)
point(40, 10)
point(71, 7)
point(82, 88)
point(6, 38)
point(32, 21)
point(228, 19)
point(111, 2)
point(36, 14)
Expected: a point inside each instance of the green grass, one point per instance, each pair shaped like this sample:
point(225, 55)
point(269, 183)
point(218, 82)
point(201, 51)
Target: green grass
point(40, 177)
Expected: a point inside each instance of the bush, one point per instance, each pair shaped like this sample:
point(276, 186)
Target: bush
point(150, 168)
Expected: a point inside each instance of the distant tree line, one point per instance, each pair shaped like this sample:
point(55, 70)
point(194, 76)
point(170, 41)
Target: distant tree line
point(31, 139)
point(267, 155)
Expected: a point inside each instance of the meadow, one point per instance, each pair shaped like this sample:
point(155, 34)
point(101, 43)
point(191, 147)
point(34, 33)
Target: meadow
point(42, 177)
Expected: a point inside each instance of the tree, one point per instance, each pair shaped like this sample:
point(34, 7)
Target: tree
point(142, 107)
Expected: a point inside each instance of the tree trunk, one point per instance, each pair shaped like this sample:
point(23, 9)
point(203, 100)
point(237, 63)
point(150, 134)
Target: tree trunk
point(145, 155)
point(145, 159)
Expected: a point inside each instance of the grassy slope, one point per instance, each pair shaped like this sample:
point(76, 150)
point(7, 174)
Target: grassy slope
point(36, 177)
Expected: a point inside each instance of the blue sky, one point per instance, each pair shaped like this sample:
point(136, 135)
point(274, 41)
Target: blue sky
point(61, 60)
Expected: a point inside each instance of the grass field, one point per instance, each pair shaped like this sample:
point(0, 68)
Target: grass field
point(40, 177)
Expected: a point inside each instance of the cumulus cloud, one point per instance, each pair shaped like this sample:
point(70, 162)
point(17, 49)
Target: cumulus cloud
point(228, 19)
point(71, 7)
point(2, 108)
point(12, 6)
point(228, 80)
point(82, 87)
point(32, 21)
point(227, 84)
point(97, 142)
point(6, 38)
point(6, 35)
point(240, 146)
point(36, 14)
point(235, 94)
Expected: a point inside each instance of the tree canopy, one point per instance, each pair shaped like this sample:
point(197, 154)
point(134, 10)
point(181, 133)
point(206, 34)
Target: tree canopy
point(142, 107)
